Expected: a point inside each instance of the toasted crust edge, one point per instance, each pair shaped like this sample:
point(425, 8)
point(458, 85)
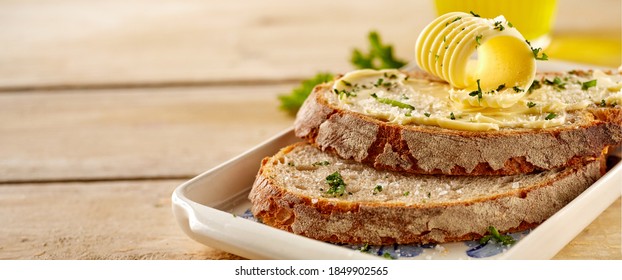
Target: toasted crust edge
point(381, 224)
point(423, 149)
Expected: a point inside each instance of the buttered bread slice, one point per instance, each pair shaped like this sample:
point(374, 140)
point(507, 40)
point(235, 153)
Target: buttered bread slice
point(410, 122)
point(321, 196)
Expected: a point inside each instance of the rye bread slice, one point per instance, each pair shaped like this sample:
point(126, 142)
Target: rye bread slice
point(426, 149)
point(291, 193)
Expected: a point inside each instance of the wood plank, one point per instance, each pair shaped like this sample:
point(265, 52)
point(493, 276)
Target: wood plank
point(137, 133)
point(117, 220)
point(600, 240)
point(68, 42)
point(133, 220)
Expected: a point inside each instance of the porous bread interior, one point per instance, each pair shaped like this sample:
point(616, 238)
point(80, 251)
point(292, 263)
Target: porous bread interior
point(300, 171)
point(290, 193)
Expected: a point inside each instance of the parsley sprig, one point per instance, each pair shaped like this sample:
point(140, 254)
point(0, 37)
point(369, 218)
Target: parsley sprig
point(380, 56)
point(291, 102)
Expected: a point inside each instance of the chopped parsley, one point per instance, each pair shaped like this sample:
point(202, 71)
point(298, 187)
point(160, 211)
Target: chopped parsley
point(346, 83)
point(517, 89)
point(531, 104)
point(535, 52)
point(406, 193)
point(392, 76)
point(392, 102)
point(377, 189)
point(474, 14)
point(603, 103)
point(535, 85)
point(365, 248)
point(387, 255)
point(556, 83)
point(451, 116)
point(510, 24)
point(321, 163)
point(379, 82)
point(426, 114)
point(336, 183)
point(500, 87)
point(588, 84)
point(380, 56)
point(499, 26)
point(478, 40)
point(495, 235)
point(456, 19)
point(550, 116)
point(477, 92)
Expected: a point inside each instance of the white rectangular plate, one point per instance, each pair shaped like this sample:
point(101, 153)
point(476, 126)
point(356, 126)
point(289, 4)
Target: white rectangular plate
point(211, 207)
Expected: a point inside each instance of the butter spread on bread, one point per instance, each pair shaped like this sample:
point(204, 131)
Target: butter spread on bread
point(393, 96)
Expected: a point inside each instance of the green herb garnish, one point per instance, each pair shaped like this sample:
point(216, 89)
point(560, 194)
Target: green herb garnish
point(603, 103)
point(478, 92)
point(291, 102)
point(392, 102)
point(499, 26)
point(556, 83)
point(387, 255)
point(500, 87)
point(510, 24)
point(379, 57)
point(531, 104)
point(377, 189)
point(365, 248)
point(494, 234)
point(426, 114)
point(535, 52)
point(456, 19)
point(478, 40)
point(451, 116)
point(406, 193)
point(550, 116)
point(321, 163)
point(588, 84)
point(535, 85)
point(517, 89)
point(474, 14)
point(337, 186)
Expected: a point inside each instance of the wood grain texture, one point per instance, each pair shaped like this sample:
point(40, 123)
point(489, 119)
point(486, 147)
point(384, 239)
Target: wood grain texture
point(139, 133)
point(116, 220)
point(60, 42)
point(600, 240)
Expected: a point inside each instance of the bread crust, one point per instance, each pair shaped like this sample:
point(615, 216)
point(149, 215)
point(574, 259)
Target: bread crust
point(377, 223)
point(433, 150)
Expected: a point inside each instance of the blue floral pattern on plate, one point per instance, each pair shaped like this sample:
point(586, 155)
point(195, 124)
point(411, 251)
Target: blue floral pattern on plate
point(472, 249)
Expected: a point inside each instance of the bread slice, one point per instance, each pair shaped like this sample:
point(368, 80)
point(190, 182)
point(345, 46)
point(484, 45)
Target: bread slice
point(379, 207)
point(428, 149)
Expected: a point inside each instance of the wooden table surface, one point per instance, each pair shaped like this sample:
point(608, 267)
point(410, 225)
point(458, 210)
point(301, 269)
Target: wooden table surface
point(107, 106)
